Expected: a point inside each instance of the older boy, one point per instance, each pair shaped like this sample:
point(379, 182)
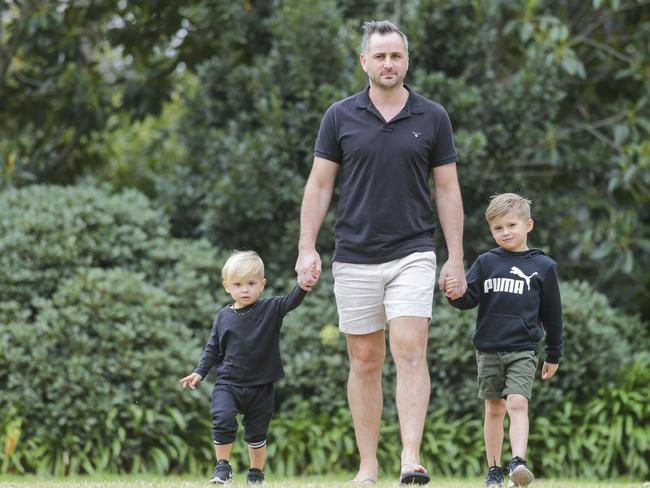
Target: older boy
point(244, 346)
point(517, 292)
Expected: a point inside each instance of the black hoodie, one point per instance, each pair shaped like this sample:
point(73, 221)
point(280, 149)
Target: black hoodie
point(518, 296)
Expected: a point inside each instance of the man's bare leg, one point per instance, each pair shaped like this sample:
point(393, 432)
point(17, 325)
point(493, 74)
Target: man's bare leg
point(367, 353)
point(408, 344)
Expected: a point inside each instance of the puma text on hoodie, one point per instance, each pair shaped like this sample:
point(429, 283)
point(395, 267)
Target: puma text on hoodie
point(518, 297)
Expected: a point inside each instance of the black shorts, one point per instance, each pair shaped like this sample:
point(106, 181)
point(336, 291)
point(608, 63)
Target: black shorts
point(256, 403)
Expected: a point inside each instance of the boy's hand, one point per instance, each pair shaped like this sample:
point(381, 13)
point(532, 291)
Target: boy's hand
point(548, 370)
point(191, 380)
point(453, 268)
point(451, 288)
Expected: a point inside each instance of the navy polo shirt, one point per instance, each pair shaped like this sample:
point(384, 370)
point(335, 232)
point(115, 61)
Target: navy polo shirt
point(385, 210)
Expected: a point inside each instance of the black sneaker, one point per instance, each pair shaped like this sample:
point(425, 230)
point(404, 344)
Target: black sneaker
point(222, 473)
point(255, 476)
point(519, 473)
point(494, 478)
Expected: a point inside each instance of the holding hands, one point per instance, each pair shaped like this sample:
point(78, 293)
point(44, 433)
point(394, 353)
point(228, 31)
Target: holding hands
point(452, 288)
point(452, 279)
point(308, 269)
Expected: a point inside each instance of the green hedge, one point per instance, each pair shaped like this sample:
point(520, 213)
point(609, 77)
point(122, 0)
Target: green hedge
point(314, 354)
point(102, 310)
point(92, 384)
point(48, 233)
point(607, 437)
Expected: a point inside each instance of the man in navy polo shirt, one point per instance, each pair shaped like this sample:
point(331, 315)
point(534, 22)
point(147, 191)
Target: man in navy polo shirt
point(385, 142)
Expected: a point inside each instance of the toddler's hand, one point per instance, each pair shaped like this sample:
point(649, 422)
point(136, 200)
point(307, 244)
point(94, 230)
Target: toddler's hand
point(315, 272)
point(191, 380)
point(308, 269)
point(451, 288)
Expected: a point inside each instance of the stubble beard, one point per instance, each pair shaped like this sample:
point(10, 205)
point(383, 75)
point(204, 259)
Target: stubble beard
point(382, 84)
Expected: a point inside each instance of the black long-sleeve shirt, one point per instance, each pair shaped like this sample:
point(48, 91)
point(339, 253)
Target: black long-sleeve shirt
point(518, 296)
point(244, 344)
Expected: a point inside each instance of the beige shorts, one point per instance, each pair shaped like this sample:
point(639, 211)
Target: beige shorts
point(367, 295)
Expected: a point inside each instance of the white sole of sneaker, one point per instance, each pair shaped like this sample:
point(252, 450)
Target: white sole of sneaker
point(521, 476)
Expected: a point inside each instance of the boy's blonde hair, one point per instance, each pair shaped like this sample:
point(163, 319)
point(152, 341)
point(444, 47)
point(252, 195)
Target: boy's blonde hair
point(504, 203)
point(241, 265)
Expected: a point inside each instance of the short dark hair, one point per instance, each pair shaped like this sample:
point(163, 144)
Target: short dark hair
point(371, 27)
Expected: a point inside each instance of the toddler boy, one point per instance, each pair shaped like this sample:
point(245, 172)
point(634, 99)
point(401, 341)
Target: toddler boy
point(244, 347)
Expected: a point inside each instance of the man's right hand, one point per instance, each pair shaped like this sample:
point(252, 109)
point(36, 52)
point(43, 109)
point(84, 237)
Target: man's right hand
point(308, 268)
point(453, 269)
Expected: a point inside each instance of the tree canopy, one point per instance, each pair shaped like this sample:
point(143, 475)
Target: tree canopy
point(212, 107)
point(142, 140)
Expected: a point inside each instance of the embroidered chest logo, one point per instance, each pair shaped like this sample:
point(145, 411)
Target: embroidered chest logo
point(416, 134)
point(508, 285)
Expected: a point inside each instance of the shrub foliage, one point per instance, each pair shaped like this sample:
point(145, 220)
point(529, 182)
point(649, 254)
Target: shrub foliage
point(100, 315)
point(94, 336)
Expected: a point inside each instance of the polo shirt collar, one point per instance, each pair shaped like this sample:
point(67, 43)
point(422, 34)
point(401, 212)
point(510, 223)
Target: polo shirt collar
point(414, 102)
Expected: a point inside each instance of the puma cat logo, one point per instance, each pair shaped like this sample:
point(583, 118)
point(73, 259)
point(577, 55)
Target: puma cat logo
point(516, 271)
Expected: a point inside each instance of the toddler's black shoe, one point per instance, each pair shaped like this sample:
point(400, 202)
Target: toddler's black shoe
point(255, 476)
point(222, 473)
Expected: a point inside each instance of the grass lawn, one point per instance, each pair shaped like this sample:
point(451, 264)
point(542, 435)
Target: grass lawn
point(315, 482)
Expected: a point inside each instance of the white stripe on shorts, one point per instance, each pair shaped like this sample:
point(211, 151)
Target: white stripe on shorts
point(257, 445)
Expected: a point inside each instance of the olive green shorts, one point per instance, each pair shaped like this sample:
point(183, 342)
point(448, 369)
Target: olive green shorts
point(503, 373)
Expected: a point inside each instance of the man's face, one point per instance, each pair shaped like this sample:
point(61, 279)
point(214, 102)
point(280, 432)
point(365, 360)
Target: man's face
point(386, 61)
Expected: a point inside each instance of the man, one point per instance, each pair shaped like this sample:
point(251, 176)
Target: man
point(385, 141)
